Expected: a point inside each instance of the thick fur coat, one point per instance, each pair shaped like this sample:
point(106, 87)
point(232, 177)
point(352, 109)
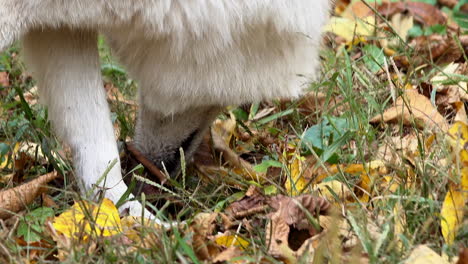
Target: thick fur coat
point(189, 57)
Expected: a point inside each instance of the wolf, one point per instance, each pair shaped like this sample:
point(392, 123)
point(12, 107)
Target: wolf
point(190, 59)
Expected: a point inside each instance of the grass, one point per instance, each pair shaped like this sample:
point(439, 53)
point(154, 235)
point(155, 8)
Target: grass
point(362, 95)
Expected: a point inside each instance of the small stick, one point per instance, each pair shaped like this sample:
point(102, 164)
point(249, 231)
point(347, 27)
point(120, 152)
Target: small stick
point(146, 163)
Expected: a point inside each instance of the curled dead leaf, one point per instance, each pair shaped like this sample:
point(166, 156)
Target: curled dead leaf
point(16, 199)
point(290, 231)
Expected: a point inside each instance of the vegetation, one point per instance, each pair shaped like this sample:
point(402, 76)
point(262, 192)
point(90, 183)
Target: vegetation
point(370, 166)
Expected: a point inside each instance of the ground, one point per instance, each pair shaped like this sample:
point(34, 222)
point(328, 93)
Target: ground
point(370, 166)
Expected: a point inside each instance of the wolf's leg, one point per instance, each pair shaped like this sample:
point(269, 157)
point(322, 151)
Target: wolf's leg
point(66, 66)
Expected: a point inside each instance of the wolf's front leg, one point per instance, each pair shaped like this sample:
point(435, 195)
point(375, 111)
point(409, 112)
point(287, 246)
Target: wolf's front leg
point(66, 66)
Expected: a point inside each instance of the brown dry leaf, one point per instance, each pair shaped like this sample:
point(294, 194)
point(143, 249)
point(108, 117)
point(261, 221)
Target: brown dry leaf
point(294, 210)
point(290, 232)
point(464, 43)
point(30, 96)
point(395, 149)
point(4, 79)
point(358, 9)
point(448, 3)
point(451, 93)
point(437, 48)
point(221, 137)
point(422, 254)
point(227, 255)
point(252, 203)
point(114, 95)
point(423, 13)
point(47, 201)
point(413, 107)
point(16, 199)
point(64, 243)
point(344, 230)
point(133, 227)
point(316, 101)
point(463, 256)
point(460, 112)
point(203, 227)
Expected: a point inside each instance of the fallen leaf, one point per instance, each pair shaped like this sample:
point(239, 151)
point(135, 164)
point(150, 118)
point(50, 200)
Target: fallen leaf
point(30, 96)
point(332, 190)
point(4, 79)
point(227, 255)
point(423, 13)
point(247, 206)
point(399, 219)
point(16, 199)
point(228, 240)
point(448, 3)
point(113, 94)
point(463, 256)
point(422, 254)
point(351, 30)
point(401, 24)
point(457, 196)
point(435, 48)
point(85, 218)
point(203, 227)
point(413, 107)
point(295, 182)
point(132, 228)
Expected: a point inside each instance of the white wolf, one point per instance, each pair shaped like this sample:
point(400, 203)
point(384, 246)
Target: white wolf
point(189, 57)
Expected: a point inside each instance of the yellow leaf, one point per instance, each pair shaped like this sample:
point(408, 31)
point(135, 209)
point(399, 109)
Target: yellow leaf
point(400, 223)
point(6, 164)
point(107, 219)
point(458, 133)
point(351, 29)
point(231, 240)
point(326, 189)
point(452, 213)
point(86, 218)
point(295, 183)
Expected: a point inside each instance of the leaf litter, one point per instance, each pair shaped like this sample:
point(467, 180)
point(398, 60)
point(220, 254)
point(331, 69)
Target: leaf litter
point(290, 191)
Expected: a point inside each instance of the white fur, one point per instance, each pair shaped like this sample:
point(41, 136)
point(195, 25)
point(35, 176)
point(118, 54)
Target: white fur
point(189, 57)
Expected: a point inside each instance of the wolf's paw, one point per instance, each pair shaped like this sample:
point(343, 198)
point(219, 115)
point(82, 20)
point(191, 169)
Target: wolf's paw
point(134, 208)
